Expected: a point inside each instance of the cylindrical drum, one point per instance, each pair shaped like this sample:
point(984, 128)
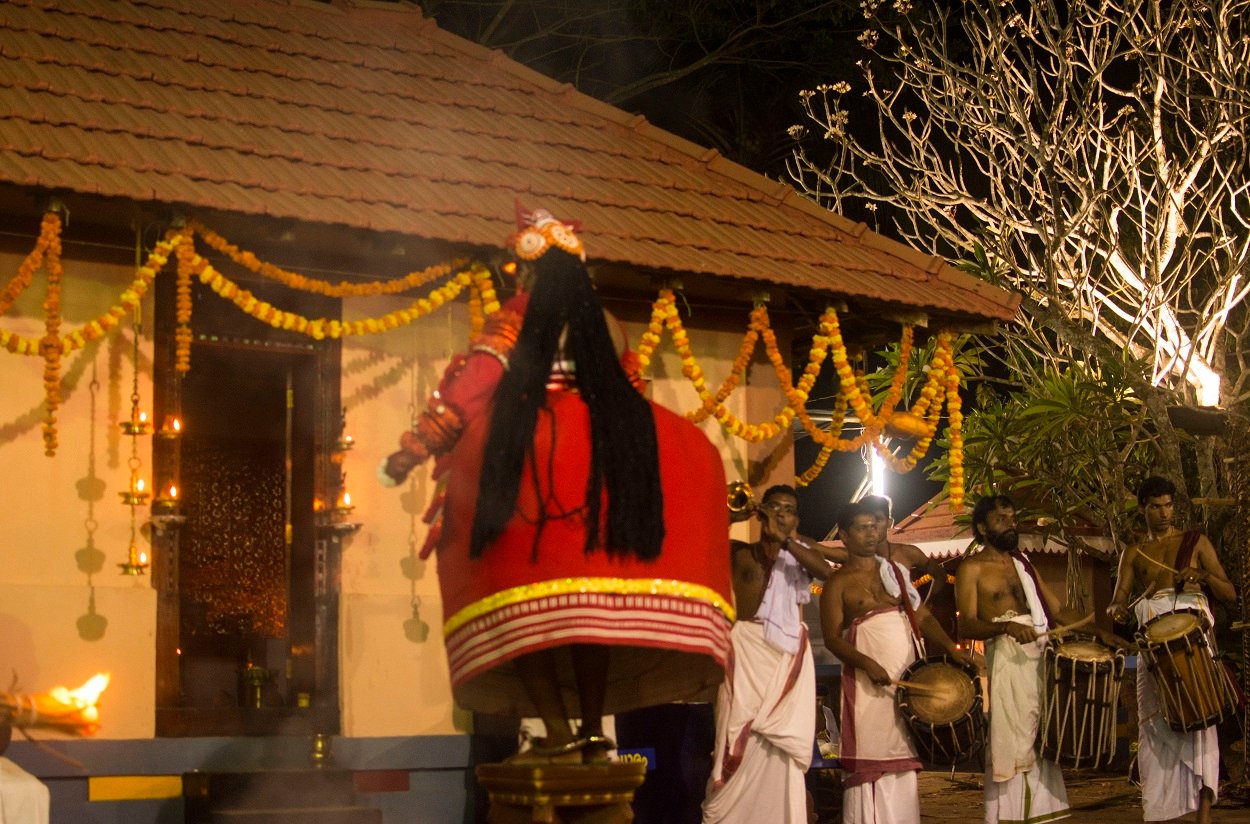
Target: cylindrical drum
point(1079, 699)
point(1193, 688)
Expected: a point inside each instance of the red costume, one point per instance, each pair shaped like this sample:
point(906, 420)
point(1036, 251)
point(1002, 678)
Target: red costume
point(667, 620)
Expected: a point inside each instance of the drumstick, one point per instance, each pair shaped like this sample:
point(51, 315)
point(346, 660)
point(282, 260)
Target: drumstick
point(918, 687)
point(1071, 626)
point(1137, 550)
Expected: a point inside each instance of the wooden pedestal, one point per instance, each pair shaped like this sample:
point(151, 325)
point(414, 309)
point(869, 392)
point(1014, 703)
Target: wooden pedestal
point(561, 794)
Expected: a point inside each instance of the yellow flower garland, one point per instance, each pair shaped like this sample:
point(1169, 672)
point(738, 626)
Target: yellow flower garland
point(924, 416)
point(96, 329)
point(321, 328)
point(306, 284)
point(50, 344)
point(49, 230)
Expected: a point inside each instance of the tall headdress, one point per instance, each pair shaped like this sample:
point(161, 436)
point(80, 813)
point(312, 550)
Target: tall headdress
point(539, 230)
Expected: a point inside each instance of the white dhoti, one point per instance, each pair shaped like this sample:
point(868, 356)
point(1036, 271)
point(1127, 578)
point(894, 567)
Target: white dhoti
point(878, 756)
point(1019, 786)
point(765, 725)
point(24, 799)
point(1175, 766)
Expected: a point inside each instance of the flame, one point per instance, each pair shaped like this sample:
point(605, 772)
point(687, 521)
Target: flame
point(347, 499)
point(85, 696)
point(138, 485)
point(177, 425)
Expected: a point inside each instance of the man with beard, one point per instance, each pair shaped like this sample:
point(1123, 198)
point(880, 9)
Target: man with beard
point(1003, 602)
point(1170, 570)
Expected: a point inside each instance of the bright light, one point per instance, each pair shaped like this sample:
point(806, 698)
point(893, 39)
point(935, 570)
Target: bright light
point(876, 473)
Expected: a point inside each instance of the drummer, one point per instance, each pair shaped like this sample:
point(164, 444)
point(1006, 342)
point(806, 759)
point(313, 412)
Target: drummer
point(872, 619)
point(1002, 601)
point(910, 555)
point(1170, 570)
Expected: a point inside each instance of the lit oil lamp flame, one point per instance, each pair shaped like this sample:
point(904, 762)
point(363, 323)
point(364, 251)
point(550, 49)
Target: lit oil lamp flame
point(60, 708)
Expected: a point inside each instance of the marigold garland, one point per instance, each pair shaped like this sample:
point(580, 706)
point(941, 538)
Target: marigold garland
point(96, 329)
point(321, 328)
point(306, 284)
point(49, 229)
point(182, 303)
point(955, 431)
point(50, 344)
point(922, 419)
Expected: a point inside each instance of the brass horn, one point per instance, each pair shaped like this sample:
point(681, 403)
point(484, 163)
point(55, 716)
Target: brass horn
point(740, 497)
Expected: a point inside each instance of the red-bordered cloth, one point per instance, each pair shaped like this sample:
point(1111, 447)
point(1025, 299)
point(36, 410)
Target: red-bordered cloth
point(667, 621)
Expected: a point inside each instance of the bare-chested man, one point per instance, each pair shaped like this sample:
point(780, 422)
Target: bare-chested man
point(909, 555)
point(871, 615)
point(771, 690)
point(1003, 602)
point(1170, 570)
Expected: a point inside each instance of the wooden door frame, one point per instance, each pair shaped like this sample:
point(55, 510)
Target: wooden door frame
point(315, 577)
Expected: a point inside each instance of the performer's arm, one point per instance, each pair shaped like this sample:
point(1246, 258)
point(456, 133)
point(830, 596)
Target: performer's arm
point(831, 619)
point(809, 554)
point(464, 393)
point(914, 558)
point(1123, 586)
point(933, 632)
point(933, 567)
point(1210, 573)
point(1058, 609)
point(832, 554)
point(803, 549)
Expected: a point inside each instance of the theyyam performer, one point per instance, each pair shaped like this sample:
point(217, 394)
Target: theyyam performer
point(1002, 601)
point(579, 528)
point(874, 623)
point(1170, 571)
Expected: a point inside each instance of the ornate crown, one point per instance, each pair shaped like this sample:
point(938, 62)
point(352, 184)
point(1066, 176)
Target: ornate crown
point(539, 230)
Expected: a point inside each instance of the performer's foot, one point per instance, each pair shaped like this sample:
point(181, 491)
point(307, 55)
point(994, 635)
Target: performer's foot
point(595, 749)
point(540, 752)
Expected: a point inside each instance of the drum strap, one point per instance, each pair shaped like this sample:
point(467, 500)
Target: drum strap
point(1186, 553)
point(906, 602)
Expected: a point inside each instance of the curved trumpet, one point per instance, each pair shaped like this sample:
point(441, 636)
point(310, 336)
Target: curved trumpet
point(740, 497)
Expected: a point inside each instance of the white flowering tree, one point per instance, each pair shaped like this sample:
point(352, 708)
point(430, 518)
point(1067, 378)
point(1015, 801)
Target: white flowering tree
point(1096, 151)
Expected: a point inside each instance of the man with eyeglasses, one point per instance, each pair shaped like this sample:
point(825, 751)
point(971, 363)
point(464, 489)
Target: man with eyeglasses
point(766, 708)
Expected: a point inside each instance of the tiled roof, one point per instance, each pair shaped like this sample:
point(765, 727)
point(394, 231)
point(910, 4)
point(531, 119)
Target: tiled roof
point(367, 115)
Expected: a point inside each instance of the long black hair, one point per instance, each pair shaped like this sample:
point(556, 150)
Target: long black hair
point(624, 453)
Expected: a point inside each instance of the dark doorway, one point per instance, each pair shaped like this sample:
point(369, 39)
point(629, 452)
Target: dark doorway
point(247, 580)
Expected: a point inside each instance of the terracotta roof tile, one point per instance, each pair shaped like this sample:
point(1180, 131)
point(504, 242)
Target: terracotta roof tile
point(370, 116)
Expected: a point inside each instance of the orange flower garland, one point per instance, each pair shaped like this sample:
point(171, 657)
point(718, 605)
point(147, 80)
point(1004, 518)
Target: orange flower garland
point(928, 407)
point(922, 419)
point(955, 430)
point(651, 337)
point(835, 426)
point(50, 345)
point(182, 304)
point(321, 328)
point(305, 284)
point(49, 229)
